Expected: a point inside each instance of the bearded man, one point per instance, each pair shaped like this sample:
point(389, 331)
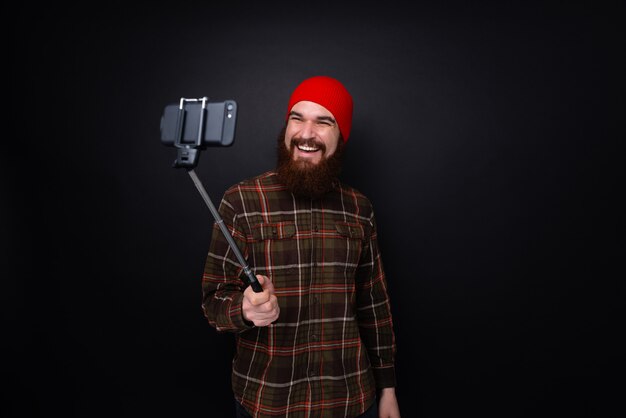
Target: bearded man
point(319, 340)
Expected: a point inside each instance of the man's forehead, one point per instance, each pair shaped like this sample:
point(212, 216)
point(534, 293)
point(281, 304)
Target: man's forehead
point(313, 109)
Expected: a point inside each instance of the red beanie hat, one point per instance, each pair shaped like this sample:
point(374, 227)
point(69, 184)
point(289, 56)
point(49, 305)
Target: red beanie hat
point(331, 94)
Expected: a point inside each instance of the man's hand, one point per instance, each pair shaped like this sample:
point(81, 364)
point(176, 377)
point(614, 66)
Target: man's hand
point(388, 404)
point(260, 308)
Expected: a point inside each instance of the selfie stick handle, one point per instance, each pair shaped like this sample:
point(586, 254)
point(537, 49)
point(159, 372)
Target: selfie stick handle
point(254, 283)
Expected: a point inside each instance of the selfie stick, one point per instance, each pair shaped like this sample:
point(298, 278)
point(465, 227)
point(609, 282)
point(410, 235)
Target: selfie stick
point(256, 286)
point(184, 151)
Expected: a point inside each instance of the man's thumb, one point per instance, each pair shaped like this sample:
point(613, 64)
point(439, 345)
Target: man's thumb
point(265, 282)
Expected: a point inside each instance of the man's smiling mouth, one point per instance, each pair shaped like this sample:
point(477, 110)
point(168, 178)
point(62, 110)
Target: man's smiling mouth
point(308, 148)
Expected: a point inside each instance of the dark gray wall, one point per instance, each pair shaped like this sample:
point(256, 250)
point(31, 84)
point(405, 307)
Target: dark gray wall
point(485, 136)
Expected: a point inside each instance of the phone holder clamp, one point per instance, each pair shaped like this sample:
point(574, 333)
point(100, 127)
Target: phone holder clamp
point(188, 154)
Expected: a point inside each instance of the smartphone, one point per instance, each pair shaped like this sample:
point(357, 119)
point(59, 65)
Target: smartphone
point(210, 125)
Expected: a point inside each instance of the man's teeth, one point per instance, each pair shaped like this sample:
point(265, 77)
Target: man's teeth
point(307, 148)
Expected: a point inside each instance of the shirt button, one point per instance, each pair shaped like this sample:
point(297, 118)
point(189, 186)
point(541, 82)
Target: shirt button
point(313, 337)
point(312, 373)
point(315, 228)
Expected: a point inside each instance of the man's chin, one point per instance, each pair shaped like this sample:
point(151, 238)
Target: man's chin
point(305, 165)
point(307, 161)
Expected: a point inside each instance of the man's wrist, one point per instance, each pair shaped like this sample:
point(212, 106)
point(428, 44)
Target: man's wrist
point(386, 391)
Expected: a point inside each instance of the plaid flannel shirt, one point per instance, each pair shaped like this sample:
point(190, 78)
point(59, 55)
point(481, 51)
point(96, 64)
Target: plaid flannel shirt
point(333, 343)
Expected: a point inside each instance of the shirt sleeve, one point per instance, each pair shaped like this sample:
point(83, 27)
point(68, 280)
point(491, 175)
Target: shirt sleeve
point(222, 286)
point(374, 312)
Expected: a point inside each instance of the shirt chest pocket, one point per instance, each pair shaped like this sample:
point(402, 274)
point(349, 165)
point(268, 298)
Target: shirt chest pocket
point(349, 243)
point(274, 246)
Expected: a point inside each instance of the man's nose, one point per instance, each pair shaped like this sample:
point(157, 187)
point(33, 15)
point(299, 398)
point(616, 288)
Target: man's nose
point(308, 130)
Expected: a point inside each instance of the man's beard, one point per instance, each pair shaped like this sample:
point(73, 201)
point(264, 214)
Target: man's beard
point(303, 178)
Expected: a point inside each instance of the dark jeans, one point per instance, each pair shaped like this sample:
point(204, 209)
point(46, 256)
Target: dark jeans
point(372, 411)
